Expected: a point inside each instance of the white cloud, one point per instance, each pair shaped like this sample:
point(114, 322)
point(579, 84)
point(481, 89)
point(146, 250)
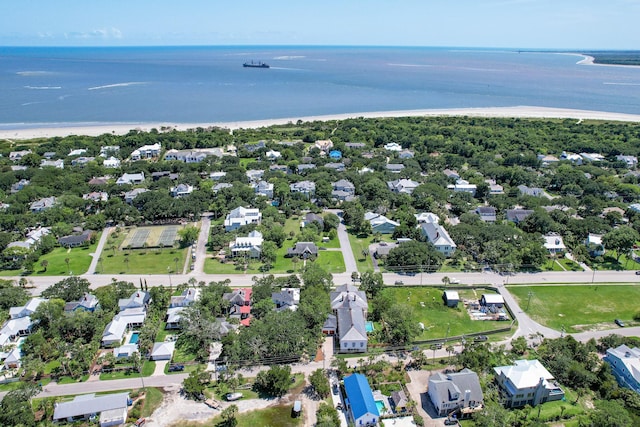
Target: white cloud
point(98, 33)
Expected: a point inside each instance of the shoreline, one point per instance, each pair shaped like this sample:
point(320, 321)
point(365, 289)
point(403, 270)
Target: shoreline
point(96, 129)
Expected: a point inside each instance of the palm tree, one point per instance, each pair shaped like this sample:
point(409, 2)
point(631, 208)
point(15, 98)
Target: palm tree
point(446, 281)
point(126, 261)
point(66, 261)
point(44, 264)
point(449, 350)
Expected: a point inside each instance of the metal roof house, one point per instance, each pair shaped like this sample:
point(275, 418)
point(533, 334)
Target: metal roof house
point(625, 366)
point(439, 238)
point(350, 307)
point(361, 406)
point(527, 382)
point(455, 391)
point(112, 409)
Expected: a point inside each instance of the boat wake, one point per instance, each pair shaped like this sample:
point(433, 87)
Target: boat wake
point(117, 85)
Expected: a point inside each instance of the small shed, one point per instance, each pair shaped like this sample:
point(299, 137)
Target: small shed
point(163, 350)
point(451, 298)
point(494, 300)
point(297, 409)
point(400, 401)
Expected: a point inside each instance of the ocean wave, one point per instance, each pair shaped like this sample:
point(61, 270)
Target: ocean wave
point(31, 103)
point(116, 85)
point(42, 87)
point(621, 84)
point(288, 57)
point(34, 73)
point(410, 65)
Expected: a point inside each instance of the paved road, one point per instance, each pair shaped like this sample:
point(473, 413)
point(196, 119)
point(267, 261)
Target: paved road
point(345, 245)
point(98, 253)
point(201, 245)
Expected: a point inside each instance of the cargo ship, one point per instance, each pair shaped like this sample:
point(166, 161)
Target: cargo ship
point(255, 65)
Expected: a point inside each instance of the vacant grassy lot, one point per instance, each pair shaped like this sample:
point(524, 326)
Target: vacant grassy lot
point(272, 416)
point(579, 308)
point(438, 318)
point(357, 246)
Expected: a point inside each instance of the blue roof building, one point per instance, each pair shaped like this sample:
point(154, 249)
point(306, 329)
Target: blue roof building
point(335, 154)
point(362, 408)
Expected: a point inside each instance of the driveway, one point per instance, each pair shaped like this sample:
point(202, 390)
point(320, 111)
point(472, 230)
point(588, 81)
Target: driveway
point(349, 260)
point(418, 391)
point(98, 253)
point(201, 245)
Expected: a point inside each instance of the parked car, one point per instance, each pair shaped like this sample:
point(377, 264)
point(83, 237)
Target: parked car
point(481, 338)
point(638, 273)
point(192, 266)
point(450, 422)
point(454, 281)
point(233, 396)
point(399, 282)
point(176, 368)
point(619, 323)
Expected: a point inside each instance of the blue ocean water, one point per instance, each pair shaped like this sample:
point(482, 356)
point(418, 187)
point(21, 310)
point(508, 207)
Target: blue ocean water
point(209, 84)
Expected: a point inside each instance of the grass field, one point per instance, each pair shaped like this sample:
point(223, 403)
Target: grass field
point(357, 246)
point(579, 308)
point(439, 320)
point(79, 260)
point(139, 261)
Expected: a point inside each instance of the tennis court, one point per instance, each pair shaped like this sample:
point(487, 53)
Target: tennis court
point(168, 236)
point(151, 237)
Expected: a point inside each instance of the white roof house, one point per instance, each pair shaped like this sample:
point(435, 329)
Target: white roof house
point(188, 297)
point(393, 146)
point(625, 365)
point(111, 162)
point(594, 244)
point(26, 310)
point(111, 407)
point(137, 299)
point(273, 155)
point(242, 216)
point(163, 350)
point(527, 382)
point(492, 299)
point(146, 152)
point(131, 178)
point(463, 186)
point(553, 243)
point(181, 190)
point(438, 237)
point(405, 186)
point(427, 217)
point(251, 245)
point(109, 150)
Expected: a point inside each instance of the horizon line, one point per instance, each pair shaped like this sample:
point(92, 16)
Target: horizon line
point(137, 46)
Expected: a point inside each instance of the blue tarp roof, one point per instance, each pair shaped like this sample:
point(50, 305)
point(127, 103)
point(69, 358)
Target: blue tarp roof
point(360, 396)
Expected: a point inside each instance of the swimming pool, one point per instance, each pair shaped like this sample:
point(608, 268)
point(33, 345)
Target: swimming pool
point(368, 326)
point(380, 406)
point(134, 338)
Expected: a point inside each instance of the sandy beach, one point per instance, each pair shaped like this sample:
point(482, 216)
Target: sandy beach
point(123, 128)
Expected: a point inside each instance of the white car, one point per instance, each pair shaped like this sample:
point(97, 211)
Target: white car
point(454, 281)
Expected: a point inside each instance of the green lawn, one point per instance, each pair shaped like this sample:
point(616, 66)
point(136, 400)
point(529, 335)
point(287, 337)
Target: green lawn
point(142, 261)
point(213, 266)
point(610, 263)
point(436, 317)
point(152, 400)
point(79, 261)
point(139, 261)
point(269, 417)
point(357, 246)
point(579, 308)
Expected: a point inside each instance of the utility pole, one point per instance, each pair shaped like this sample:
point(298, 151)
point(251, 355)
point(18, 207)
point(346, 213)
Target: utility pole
point(529, 294)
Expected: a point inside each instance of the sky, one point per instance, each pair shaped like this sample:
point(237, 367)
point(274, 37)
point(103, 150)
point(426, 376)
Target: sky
point(531, 24)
